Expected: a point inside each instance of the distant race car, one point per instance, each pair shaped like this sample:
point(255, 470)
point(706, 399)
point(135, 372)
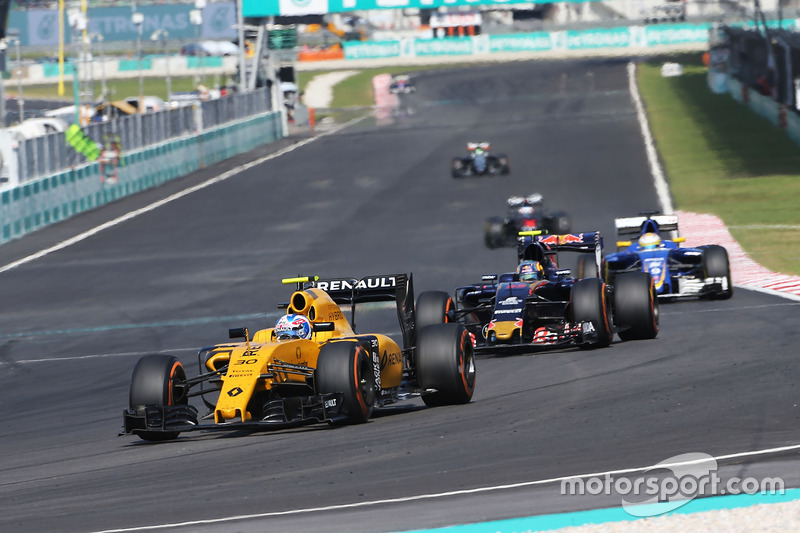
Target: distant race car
point(479, 162)
point(311, 367)
point(402, 84)
point(677, 272)
point(524, 214)
point(541, 306)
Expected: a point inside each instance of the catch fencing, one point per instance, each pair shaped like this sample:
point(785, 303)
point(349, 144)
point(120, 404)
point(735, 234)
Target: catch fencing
point(49, 154)
point(156, 148)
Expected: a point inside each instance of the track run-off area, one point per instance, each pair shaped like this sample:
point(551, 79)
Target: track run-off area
point(170, 270)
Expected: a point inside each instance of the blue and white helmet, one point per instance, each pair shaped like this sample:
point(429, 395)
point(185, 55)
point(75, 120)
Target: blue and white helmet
point(293, 327)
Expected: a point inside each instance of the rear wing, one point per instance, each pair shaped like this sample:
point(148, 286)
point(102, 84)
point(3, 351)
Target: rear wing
point(382, 288)
point(635, 226)
point(534, 245)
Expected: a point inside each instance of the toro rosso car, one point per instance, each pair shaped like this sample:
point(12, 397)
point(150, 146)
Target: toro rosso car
point(311, 367)
point(524, 214)
point(479, 162)
point(677, 272)
point(542, 306)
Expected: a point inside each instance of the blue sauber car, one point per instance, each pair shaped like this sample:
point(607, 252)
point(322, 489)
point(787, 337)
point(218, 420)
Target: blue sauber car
point(677, 272)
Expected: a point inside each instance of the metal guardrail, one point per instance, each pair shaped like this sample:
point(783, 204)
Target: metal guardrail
point(156, 148)
point(49, 154)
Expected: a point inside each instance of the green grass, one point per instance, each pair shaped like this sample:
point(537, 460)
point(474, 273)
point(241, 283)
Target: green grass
point(356, 90)
point(120, 87)
point(722, 158)
point(719, 156)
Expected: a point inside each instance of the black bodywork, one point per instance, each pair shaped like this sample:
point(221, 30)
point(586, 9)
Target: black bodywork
point(523, 214)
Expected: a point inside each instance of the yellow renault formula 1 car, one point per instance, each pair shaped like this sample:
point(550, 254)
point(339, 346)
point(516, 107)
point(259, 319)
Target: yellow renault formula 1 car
point(311, 367)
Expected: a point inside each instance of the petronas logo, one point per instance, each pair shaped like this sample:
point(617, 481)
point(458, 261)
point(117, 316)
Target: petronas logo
point(47, 27)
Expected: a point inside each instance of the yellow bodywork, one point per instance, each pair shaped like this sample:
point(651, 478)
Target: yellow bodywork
point(504, 330)
point(249, 363)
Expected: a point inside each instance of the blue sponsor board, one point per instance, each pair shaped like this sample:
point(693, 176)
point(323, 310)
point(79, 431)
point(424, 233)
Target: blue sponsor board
point(601, 38)
point(521, 42)
point(371, 49)
point(444, 47)
point(39, 27)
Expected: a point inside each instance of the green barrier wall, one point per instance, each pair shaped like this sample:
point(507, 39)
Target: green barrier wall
point(55, 198)
point(593, 39)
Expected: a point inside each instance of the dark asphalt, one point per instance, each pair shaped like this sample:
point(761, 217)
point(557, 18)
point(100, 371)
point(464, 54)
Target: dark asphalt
point(720, 378)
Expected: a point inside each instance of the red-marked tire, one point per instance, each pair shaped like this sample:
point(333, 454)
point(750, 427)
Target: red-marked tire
point(434, 307)
point(588, 304)
point(347, 368)
point(157, 379)
point(445, 361)
point(635, 306)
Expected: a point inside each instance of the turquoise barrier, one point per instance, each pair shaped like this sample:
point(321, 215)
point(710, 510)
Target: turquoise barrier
point(621, 37)
point(45, 201)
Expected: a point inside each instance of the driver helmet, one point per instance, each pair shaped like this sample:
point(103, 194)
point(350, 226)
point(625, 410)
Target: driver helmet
point(530, 271)
point(293, 327)
point(648, 241)
point(526, 211)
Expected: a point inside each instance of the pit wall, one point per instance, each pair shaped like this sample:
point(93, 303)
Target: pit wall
point(55, 198)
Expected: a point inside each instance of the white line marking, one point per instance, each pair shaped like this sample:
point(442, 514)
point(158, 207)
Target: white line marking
point(685, 311)
point(95, 356)
point(133, 214)
point(432, 496)
point(662, 188)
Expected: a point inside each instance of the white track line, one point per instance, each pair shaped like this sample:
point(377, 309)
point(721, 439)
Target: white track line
point(433, 496)
point(662, 188)
point(133, 214)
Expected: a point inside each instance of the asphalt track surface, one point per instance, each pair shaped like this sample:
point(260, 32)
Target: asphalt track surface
point(721, 377)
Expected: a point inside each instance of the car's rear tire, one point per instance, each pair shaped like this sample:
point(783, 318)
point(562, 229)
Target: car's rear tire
point(717, 265)
point(636, 306)
point(445, 361)
point(434, 307)
point(347, 368)
point(158, 380)
point(588, 304)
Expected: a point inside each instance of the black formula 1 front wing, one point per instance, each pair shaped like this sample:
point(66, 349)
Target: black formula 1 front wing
point(279, 413)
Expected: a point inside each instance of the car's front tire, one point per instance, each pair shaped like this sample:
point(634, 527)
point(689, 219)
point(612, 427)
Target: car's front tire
point(588, 303)
point(347, 368)
point(717, 265)
point(445, 361)
point(158, 379)
point(636, 306)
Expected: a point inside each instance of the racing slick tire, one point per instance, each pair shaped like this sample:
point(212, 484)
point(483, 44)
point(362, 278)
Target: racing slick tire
point(434, 307)
point(445, 361)
point(347, 368)
point(717, 265)
point(498, 164)
point(505, 167)
point(157, 380)
point(494, 233)
point(635, 306)
point(458, 169)
point(588, 303)
point(587, 267)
